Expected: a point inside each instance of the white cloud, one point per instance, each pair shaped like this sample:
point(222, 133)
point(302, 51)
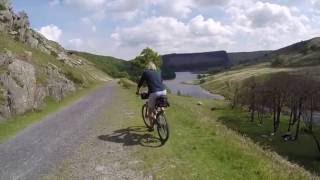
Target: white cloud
point(202, 27)
point(75, 43)
point(178, 8)
point(171, 25)
point(87, 4)
point(259, 25)
point(54, 2)
point(183, 8)
point(51, 32)
point(206, 3)
point(168, 34)
point(316, 4)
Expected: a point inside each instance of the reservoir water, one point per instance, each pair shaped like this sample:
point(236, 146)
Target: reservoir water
point(178, 85)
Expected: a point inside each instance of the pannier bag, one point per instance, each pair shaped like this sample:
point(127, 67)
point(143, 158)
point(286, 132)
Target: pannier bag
point(162, 101)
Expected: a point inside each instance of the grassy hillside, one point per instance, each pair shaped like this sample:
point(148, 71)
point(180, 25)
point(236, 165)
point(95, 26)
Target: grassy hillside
point(40, 60)
point(200, 147)
point(224, 82)
point(305, 53)
point(307, 156)
point(248, 58)
point(117, 68)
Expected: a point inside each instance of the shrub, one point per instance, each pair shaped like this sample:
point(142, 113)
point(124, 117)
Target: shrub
point(276, 62)
point(2, 7)
point(54, 54)
point(126, 83)
point(69, 75)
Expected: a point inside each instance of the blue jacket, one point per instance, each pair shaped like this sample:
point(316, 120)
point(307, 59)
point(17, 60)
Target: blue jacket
point(153, 80)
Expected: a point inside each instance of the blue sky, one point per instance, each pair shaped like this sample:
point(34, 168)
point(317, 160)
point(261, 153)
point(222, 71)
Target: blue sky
point(122, 28)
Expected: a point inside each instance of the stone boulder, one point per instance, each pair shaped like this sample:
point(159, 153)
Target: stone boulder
point(58, 85)
point(19, 86)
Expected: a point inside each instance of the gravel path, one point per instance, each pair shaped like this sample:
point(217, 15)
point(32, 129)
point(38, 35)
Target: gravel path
point(42, 147)
point(107, 153)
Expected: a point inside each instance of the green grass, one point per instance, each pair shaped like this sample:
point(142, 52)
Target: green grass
point(41, 59)
point(222, 83)
point(200, 147)
point(116, 68)
point(13, 126)
point(303, 151)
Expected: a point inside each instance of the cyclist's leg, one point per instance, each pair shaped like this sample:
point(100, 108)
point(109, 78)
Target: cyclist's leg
point(151, 105)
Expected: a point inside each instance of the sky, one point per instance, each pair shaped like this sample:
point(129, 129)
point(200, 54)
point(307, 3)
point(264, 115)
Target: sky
point(122, 28)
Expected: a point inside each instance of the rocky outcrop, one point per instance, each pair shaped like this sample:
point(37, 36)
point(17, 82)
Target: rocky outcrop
point(18, 26)
point(18, 86)
point(58, 86)
point(25, 81)
point(20, 91)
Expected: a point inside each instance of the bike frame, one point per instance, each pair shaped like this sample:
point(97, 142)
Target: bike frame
point(156, 110)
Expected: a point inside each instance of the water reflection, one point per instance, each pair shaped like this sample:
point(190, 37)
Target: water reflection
point(177, 85)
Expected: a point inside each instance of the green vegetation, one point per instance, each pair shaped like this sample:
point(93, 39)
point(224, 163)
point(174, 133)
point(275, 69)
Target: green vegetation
point(140, 62)
point(303, 151)
point(41, 59)
point(116, 68)
point(305, 53)
point(71, 76)
point(200, 147)
point(2, 7)
point(223, 83)
point(16, 124)
point(126, 83)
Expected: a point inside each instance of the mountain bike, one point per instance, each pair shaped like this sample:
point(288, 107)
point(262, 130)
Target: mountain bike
point(161, 120)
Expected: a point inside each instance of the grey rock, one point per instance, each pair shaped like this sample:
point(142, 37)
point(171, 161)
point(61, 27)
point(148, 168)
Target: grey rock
point(5, 3)
point(58, 85)
point(21, 85)
point(5, 60)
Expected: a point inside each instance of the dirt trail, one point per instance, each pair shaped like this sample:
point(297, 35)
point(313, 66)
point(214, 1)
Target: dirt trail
point(45, 146)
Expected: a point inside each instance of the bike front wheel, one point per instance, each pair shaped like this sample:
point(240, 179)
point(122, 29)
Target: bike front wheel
point(145, 116)
point(163, 127)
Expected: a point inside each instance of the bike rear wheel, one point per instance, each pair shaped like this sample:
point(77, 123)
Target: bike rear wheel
point(163, 127)
point(145, 116)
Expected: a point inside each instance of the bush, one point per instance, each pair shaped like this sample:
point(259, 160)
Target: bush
point(54, 54)
point(69, 75)
point(2, 7)
point(314, 47)
point(202, 81)
point(276, 62)
point(126, 83)
point(168, 74)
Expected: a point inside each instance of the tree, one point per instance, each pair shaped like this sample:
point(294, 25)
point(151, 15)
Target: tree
point(147, 55)
point(140, 62)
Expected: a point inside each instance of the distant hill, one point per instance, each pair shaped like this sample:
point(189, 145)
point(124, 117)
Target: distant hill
point(254, 57)
point(304, 53)
point(196, 61)
point(115, 67)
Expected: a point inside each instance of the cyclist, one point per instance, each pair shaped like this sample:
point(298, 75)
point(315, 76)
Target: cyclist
point(156, 88)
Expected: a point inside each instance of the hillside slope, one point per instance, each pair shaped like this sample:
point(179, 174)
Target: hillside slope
point(224, 82)
point(304, 53)
point(255, 57)
point(115, 67)
point(34, 68)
